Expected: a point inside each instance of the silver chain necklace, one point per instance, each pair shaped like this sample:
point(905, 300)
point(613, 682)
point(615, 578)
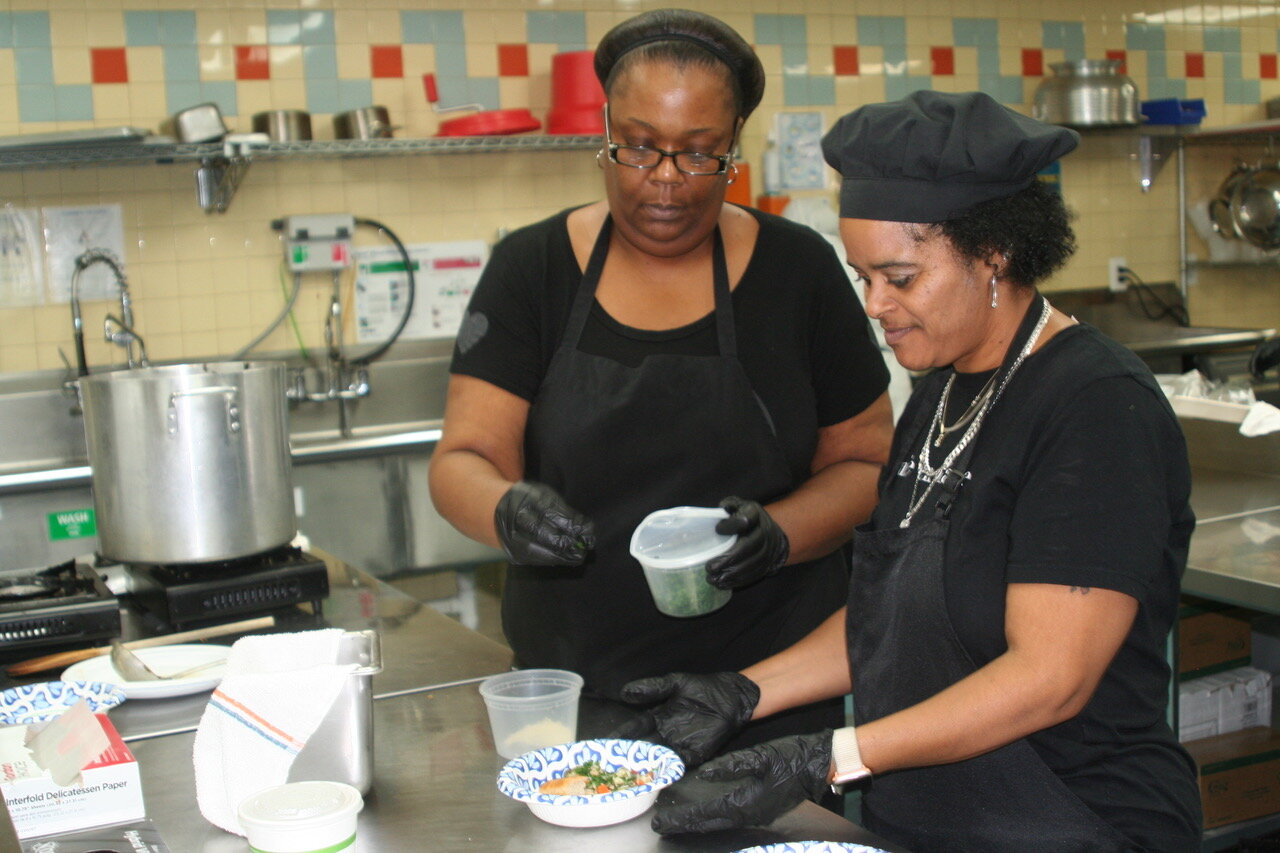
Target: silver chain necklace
point(931, 476)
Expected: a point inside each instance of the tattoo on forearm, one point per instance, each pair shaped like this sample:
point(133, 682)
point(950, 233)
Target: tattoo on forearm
point(1083, 590)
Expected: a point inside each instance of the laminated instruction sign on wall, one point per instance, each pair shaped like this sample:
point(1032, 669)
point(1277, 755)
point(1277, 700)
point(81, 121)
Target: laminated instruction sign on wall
point(444, 276)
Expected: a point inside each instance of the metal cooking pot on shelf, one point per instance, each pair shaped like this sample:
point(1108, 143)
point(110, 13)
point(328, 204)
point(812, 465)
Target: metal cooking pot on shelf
point(283, 125)
point(364, 123)
point(190, 461)
point(1087, 93)
point(1255, 207)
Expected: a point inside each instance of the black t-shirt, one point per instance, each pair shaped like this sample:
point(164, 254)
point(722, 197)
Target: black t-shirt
point(803, 339)
point(1079, 477)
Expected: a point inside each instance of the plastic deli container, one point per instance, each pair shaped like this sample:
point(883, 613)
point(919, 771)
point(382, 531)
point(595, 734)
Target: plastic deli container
point(301, 817)
point(673, 546)
point(532, 708)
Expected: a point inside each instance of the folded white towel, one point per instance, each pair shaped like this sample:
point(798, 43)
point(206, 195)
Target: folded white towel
point(1261, 419)
point(277, 690)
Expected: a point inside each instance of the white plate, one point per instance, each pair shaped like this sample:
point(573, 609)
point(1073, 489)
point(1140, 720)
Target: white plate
point(163, 659)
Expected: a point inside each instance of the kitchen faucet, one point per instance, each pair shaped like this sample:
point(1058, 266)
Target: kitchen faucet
point(117, 330)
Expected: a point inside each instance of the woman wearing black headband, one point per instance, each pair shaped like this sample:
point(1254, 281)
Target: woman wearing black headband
point(1010, 600)
point(656, 349)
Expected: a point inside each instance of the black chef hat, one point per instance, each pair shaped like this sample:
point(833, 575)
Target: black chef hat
point(933, 155)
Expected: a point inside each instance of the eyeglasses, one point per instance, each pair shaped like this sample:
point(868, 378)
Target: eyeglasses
point(644, 157)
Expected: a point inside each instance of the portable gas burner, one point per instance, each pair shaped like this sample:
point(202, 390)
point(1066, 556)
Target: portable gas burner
point(190, 593)
point(66, 603)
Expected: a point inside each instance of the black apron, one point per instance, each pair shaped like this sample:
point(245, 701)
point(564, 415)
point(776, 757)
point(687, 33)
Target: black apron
point(619, 442)
point(903, 650)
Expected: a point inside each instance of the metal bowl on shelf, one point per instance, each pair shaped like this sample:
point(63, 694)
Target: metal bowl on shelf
point(1255, 207)
point(1221, 217)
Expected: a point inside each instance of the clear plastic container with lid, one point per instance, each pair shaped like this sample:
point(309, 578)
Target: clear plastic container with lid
point(301, 817)
point(673, 547)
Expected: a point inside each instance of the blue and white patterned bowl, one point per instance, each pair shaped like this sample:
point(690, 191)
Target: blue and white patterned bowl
point(35, 703)
point(812, 847)
point(521, 777)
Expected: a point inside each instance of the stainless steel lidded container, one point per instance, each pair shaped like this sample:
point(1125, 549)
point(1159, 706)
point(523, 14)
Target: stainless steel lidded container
point(1087, 93)
point(190, 461)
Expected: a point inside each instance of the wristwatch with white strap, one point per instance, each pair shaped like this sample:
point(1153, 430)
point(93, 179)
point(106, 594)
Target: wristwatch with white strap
point(847, 767)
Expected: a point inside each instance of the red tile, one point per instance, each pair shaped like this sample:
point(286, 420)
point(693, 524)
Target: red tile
point(943, 61)
point(253, 62)
point(1122, 56)
point(1267, 66)
point(386, 60)
point(846, 60)
point(1032, 62)
point(513, 60)
point(109, 65)
point(1195, 64)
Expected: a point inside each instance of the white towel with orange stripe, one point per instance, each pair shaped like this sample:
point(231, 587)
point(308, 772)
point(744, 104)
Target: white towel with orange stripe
point(277, 690)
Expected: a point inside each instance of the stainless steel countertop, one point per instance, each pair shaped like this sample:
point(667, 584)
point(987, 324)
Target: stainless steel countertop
point(422, 649)
point(434, 788)
point(1237, 560)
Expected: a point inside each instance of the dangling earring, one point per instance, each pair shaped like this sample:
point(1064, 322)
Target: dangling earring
point(733, 175)
point(993, 291)
point(599, 161)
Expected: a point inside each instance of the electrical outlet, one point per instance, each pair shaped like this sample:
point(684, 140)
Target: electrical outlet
point(1114, 279)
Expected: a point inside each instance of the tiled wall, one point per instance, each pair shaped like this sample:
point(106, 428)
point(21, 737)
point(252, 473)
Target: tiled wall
point(206, 284)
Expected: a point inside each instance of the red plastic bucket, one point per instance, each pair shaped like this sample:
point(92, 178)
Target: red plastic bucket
point(576, 95)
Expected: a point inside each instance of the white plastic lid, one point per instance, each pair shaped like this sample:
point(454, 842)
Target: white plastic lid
point(680, 537)
point(301, 817)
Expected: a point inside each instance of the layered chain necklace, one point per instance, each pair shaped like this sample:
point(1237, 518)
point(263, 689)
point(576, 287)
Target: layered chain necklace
point(973, 416)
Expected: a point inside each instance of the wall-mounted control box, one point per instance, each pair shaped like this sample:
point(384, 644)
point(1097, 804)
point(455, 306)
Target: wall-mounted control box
point(317, 242)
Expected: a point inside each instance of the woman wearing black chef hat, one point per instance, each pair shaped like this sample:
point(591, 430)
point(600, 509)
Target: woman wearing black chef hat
point(1011, 596)
point(656, 349)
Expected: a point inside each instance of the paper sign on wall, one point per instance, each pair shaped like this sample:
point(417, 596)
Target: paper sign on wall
point(799, 140)
point(71, 231)
point(445, 274)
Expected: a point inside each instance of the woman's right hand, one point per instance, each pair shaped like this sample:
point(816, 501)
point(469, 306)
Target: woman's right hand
point(697, 714)
point(537, 528)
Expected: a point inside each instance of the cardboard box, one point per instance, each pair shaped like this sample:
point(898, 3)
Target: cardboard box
point(1211, 638)
point(1239, 775)
point(109, 790)
point(1225, 702)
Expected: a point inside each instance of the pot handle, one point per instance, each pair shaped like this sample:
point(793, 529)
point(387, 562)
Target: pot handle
point(233, 409)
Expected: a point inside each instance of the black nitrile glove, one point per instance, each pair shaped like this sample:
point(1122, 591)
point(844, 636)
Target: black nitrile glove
point(537, 528)
point(762, 547)
point(698, 714)
point(750, 787)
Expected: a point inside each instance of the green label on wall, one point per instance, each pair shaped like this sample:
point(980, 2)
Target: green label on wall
point(72, 524)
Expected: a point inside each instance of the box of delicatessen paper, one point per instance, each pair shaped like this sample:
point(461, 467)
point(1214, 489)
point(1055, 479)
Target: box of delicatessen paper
point(71, 773)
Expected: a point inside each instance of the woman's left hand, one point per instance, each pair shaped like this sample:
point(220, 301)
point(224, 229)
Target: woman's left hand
point(762, 547)
point(750, 787)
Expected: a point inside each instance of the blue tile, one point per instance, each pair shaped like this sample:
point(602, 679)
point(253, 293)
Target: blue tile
point(795, 91)
point(484, 90)
point(893, 32)
point(417, 28)
point(181, 64)
point(284, 26)
point(141, 29)
point(898, 86)
point(869, 30)
point(73, 102)
point(768, 29)
point(449, 28)
point(453, 90)
point(795, 59)
point(451, 60)
point(35, 103)
point(182, 94)
point(1067, 36)
point(1143, 37)
point(354, 94)
point(31, 29)
point(1157, 64)
point(822, 91)
point(1008, 89)
point(540, 27)
point(567, 46)
point(320, 61)
point(34, 66)
point(895, 59)
point(571, 28)
point(1222, 39)
point(317, 27)
point(322, 97)
point(794, 29)
point(989, 62)
point(1248, 92)
point(222, 93)
point(1232, 66)
point(976, 32)
point(178, 28)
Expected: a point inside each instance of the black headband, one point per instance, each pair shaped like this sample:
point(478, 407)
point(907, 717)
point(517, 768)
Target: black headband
point(710, 47)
